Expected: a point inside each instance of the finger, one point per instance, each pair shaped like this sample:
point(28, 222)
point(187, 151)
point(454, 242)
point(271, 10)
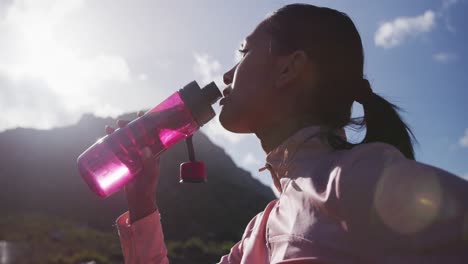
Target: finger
point(140, 113)
point(148, 157)
point(146, 153)
point(150, 161)
point(109, 129)
point(122, 123)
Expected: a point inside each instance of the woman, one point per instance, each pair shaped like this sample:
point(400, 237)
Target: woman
point(301, 70)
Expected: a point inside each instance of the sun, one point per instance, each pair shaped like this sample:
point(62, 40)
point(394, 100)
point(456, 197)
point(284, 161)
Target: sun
point(40, 54)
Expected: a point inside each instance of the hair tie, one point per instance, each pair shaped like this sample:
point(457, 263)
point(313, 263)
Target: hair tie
point(364, 92)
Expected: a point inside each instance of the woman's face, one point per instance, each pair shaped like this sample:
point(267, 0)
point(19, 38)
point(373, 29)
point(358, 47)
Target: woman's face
point(249, 96)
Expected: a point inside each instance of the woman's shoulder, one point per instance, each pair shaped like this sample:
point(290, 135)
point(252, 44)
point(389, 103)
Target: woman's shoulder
point(406, 198)
point(374, 150)
point(368, 156)
point(380, 155)
point(381, 162)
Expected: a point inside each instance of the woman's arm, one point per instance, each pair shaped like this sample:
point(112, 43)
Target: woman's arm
point(140, 229)
point(142, 241)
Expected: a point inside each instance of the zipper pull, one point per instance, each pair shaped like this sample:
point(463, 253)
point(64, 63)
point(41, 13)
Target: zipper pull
point(267, 166)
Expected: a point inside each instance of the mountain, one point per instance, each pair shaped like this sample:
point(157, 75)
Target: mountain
point(38, 174)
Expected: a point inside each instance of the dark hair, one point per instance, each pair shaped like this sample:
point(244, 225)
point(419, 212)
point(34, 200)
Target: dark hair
point(331, 40)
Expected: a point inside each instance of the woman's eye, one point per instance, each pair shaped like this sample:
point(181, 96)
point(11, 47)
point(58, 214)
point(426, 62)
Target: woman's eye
point(242, 52)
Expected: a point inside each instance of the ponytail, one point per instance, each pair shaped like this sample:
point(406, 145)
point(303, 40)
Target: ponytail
point(382, 121)
point(384, 124)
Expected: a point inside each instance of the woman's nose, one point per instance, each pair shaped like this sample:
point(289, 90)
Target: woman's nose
point(229, 76)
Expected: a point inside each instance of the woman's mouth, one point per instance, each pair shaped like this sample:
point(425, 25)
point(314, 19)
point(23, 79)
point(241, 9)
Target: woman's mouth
point(223, 101)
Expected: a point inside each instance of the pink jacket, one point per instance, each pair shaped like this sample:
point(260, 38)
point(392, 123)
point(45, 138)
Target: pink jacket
point(365, 205)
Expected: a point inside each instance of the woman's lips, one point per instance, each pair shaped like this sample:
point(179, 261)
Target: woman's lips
point(223, 101)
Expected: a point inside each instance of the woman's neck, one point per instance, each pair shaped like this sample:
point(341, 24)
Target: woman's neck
point(273, 135)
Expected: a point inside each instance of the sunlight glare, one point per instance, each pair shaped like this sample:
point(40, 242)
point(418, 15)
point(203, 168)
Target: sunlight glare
point(41, 54)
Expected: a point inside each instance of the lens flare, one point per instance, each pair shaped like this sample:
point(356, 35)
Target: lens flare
point(408, 199)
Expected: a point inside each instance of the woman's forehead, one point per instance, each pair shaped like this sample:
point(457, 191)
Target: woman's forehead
point(259, 36)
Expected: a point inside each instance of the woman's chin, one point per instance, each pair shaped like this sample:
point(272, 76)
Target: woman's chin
point(231, 123)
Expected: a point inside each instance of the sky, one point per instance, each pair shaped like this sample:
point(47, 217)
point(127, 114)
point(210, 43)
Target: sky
point(60, 59)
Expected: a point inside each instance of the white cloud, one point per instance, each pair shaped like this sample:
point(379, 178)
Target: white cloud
point(251, 160)
point(207, 68)
point(20, 100)
point(142, 77)
point(445, 57)
point(448, 3)
point(464, 139)
point(445, 13)
point(393, 33)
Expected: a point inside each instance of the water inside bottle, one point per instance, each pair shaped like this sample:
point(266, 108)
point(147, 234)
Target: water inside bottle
point(116, 159)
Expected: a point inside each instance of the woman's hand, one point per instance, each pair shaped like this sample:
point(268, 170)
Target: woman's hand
point(141, 191)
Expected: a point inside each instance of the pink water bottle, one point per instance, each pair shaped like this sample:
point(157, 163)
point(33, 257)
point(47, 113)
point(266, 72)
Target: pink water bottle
point(115, 159)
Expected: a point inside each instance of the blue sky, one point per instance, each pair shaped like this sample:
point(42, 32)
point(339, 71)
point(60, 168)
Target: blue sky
point(62, 58)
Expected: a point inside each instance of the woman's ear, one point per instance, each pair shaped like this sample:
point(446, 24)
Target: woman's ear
point(291, 68)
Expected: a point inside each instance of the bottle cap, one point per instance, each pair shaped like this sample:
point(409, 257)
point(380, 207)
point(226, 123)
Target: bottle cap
point(199, 101)
point(211, 93)
point(192, 172)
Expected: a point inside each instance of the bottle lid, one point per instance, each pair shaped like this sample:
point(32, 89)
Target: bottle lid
point(199, 101)
point(211, 93)
point(192, 172)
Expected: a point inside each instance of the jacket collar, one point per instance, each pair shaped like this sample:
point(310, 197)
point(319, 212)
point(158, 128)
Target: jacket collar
point(311, 139)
